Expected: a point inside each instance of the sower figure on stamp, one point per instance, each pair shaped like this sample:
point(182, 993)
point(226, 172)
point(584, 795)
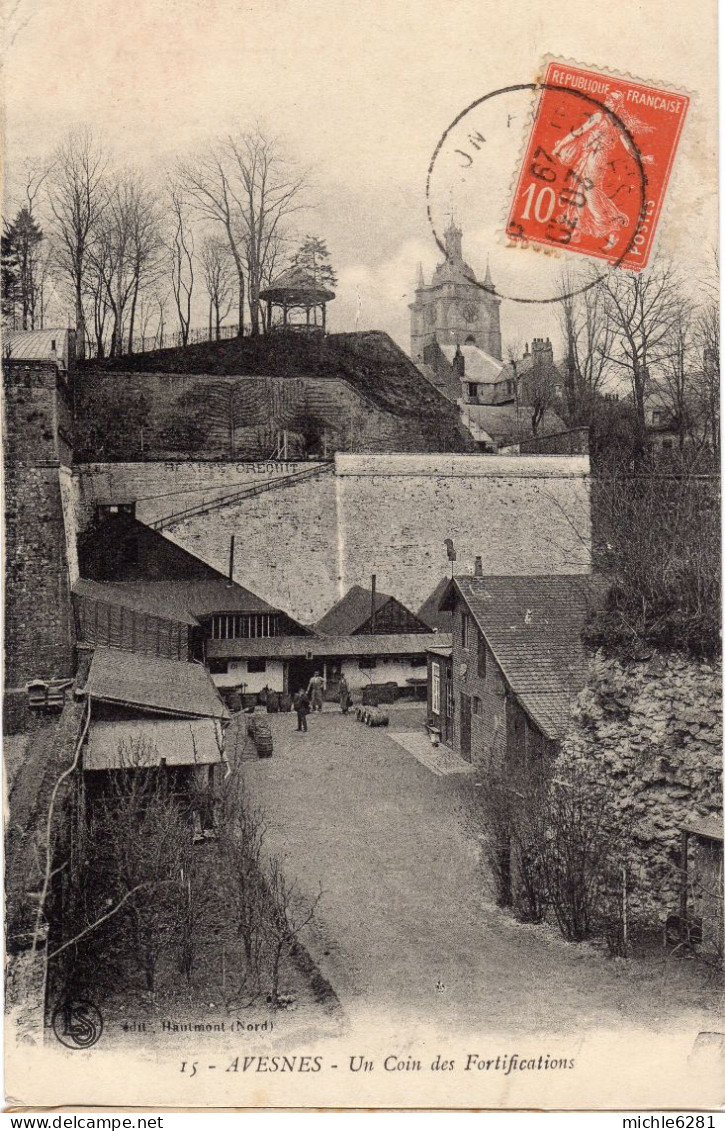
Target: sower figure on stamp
point(302, 707)
point(314, 690)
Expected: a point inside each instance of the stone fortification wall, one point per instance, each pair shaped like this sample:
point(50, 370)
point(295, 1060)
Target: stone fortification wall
point(302, 546)
point(650, 732)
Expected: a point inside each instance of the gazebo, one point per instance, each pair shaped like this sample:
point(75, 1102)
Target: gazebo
point(297, 289)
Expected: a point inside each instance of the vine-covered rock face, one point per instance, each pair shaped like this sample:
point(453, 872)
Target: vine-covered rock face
point(649, 734)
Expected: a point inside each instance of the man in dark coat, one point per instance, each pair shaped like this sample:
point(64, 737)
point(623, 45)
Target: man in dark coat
point(302, 707)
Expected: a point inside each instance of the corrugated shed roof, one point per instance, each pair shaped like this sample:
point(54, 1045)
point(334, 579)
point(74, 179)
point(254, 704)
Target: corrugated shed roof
point(184, 600)
point(36, 345)
point(533, 626)
point(288, 647)
point(138, 743)
point(351, 611)
point(154, 684)
point(156, 601)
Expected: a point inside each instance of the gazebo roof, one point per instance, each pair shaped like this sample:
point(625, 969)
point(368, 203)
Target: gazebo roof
point(295, 287)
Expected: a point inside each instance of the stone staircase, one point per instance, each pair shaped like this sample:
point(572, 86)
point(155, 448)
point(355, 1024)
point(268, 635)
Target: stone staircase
point(220, 501)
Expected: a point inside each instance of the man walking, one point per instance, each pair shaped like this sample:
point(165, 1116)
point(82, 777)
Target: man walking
point(314, 690)
point(302, 707)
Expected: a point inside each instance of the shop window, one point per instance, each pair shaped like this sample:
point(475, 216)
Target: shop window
point(254, 666)
point(368, 662)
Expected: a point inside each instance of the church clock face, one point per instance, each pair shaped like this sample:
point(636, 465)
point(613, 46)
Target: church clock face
point(470, 311)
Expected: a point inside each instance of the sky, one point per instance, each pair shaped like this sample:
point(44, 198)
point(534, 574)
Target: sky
point(359, 94)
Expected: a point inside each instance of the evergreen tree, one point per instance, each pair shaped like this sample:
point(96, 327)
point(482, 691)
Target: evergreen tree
point(312, 257)
point(21, 269)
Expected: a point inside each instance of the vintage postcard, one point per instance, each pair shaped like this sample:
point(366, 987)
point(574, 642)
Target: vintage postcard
point(362, 685)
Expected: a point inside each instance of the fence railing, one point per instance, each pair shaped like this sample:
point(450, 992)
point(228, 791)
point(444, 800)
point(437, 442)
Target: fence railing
point(165, 340)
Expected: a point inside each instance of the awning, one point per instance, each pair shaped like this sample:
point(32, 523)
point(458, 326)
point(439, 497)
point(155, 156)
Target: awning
point(141, 743)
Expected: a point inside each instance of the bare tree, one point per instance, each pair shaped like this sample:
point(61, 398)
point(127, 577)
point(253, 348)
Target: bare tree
point(125, 252)
point(242, 830)
point(288, 913)
point(706, 335)
point(676, 387)
point(541, 393)
point(643, 309)
point(244, 184)
point(138, 857)
point(76, 201)
point(588, 333)
point(218, 269)
point(181, 251)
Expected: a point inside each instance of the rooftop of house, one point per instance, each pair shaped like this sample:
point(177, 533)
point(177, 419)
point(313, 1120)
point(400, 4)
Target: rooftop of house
point(160, 578)
point(354, 610)
point(153, 684)
point(368, 361)
point(533, 627)
point(489, 423)
point(431, 612)
point(479, 365)
point(290, 647)
point(37, 345)
point(188, 601)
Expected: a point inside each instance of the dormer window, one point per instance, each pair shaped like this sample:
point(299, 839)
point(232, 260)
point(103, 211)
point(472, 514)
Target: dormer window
point(473, 390)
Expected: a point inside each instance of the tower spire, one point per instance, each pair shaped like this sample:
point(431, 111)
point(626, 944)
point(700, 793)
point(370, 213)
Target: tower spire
point(453, 236)
point(420, 279)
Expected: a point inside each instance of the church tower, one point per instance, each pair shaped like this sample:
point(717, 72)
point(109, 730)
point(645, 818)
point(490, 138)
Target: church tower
point(453, 309)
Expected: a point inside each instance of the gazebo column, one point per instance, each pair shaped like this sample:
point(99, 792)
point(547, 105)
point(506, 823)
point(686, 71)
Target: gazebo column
point(324, 311)
point(284, 313)
point(269, 315)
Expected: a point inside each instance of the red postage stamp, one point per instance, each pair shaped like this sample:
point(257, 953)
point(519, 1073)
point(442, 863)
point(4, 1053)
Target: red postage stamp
point(596, 165)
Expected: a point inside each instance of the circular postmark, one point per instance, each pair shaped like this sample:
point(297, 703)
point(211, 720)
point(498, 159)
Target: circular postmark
point(77, 1023)
point(586, 191)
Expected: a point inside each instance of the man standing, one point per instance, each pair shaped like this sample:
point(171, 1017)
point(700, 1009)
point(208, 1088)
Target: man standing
point(314, 690)
point(302, 707)
point(344, 695)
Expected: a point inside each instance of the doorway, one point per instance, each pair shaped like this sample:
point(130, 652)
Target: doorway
point(466, 727)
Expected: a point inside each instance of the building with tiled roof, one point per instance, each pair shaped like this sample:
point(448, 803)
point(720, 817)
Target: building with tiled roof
point(517, 665)
point(353, 615)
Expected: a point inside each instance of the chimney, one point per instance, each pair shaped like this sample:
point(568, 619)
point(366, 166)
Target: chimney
point(459, 363)
point(372, 605)
point(478, 566)
point(231, 562)
point(542, 349)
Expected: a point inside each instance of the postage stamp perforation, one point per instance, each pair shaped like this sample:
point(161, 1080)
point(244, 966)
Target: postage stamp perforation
point(595, 135)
